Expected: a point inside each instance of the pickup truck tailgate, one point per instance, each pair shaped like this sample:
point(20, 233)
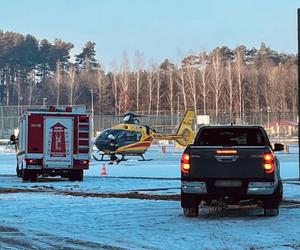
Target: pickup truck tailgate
point(234, 163)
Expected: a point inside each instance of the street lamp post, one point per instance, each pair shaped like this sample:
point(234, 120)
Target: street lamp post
point(44, 101)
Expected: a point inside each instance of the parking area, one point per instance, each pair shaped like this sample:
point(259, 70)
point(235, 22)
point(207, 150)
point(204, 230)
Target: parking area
point(136, 205)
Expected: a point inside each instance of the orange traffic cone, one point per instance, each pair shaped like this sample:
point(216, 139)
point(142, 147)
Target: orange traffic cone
point(103, 170)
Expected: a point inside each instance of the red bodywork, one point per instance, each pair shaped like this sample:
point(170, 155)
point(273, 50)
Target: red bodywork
point(33, 150)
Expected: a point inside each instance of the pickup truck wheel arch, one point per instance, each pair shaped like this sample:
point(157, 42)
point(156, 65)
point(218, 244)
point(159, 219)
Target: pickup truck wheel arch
point(190, 200)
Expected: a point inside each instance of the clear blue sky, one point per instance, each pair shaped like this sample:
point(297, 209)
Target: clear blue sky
point(157, 28)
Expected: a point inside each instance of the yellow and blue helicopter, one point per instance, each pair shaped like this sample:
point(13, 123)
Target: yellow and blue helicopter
point(133, 138)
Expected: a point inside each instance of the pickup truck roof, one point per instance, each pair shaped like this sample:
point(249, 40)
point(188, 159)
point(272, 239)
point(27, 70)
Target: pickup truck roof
point(231, 126)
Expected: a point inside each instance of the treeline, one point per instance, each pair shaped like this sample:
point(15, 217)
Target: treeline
point(224, 80)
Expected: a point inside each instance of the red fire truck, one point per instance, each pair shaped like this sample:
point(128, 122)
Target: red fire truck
point(53, 141)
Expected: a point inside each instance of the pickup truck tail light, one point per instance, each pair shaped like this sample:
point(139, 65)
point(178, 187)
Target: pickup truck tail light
point(185, 163)
point(268, 163)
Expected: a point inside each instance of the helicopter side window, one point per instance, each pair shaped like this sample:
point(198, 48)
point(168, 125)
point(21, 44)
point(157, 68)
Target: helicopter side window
point(135, 136)
point(138, 136)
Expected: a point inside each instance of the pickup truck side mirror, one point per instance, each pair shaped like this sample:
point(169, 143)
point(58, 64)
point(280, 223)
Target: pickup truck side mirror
point(278, 147)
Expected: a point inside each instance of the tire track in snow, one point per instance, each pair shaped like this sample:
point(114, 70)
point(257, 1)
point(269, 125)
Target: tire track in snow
point(14, 238)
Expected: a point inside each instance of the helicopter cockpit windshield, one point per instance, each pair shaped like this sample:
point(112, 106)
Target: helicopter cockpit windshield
point(130, 119)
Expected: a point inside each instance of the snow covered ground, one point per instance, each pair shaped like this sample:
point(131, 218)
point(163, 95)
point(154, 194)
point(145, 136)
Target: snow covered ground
point(49, 219)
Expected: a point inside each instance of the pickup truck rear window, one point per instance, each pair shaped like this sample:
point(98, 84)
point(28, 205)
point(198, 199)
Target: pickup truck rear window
point(230, 137)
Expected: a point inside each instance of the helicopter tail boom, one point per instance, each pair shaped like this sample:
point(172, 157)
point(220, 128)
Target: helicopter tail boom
point(185, 133)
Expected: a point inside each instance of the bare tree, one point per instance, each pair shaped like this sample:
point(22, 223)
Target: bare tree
point(150, 81)
point(72, 85)
point(100, 78)
point(138, 71)
point(253, 89)
point(203, 60)
point(170, 90)
point(31, 86)
point(276, 86)
point(239, 69)
point(230, 89)
point(191, 75)
point(182, 86)
point(158, 94)
point(57, 81)
point(217, 81)
point(17, 86)
point(124, 102)
point(115, 87)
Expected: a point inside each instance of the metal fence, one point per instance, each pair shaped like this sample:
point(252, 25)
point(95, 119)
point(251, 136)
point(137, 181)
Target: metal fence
point(278, 124)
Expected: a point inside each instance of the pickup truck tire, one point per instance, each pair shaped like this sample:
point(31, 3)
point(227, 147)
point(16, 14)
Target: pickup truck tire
point(189, 200)
point(271, 203)
point(191, 212)
point(271, 211)
point(190, 204)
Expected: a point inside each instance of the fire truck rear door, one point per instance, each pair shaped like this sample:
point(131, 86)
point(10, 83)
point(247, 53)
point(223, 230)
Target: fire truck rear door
point(58, 142)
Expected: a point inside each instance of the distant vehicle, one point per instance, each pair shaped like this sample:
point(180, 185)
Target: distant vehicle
point(231, 164)
point(53, 141)
point(134, 139)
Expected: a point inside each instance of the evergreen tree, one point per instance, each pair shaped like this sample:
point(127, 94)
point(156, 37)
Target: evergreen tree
point(86, 59)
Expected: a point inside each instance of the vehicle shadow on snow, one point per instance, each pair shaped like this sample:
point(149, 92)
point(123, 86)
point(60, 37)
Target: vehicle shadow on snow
point(247, 212)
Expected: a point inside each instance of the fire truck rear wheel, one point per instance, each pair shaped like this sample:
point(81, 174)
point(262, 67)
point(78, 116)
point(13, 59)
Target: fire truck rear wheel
point(29, 175)
point(33, 176)
point(25, 175)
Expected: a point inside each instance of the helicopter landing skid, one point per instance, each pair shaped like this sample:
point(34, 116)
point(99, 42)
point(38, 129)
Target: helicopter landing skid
point(143, 158)
point(122, 158)
point(102, 158)
point(97, 159)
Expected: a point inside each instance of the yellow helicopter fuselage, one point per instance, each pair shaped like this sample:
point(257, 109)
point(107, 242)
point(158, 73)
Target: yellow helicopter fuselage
point(142, 143)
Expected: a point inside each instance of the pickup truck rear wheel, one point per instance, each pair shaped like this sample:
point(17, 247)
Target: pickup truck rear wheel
point(189, 200)
point(191, 212)
point(271, 211)
point(271, 203)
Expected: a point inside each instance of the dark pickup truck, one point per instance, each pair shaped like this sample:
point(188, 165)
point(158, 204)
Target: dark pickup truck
point(231, 164)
